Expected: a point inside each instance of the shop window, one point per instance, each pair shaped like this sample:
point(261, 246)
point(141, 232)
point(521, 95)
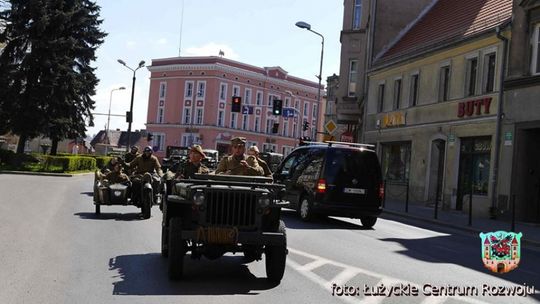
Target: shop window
point(396, 159)
point(475, 161)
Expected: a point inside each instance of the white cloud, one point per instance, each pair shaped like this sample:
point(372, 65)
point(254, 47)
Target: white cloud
point(211, 49)
point(162, 41)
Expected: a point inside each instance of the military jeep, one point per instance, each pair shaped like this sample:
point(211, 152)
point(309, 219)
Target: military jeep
point(215, 214)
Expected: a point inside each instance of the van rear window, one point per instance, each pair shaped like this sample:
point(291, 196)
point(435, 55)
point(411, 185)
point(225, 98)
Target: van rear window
point(351, 163)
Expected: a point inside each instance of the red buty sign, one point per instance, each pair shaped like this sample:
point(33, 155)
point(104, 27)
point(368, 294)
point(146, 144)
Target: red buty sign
point(474, 107)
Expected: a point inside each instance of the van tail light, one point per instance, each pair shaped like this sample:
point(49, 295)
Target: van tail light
point(381, 190)
point(321, 185)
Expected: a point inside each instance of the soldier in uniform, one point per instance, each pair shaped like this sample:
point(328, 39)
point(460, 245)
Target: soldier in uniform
point(254, 151)
point(145, 163)
point(238, 163)
point(109, 166)
point(115, 176)
point(130, 156)
point(193, 165)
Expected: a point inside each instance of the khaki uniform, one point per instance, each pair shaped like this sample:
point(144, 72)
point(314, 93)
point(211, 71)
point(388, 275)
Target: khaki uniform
point(129, 157)
point(116, 177)
point(108, 168)
point(266, 168)
point(188, 170)
point(140, 165)
point(231, 165)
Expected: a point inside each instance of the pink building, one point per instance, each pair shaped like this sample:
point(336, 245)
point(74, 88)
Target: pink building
point(190, 102)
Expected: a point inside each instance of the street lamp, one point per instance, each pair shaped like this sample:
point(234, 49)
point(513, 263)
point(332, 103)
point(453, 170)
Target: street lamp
point(307, 26)
point(109, 119)
point(130, 116)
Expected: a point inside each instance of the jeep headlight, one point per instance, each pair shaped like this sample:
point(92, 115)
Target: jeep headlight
point(117, 193)
point(264, 201)
point(198, 198)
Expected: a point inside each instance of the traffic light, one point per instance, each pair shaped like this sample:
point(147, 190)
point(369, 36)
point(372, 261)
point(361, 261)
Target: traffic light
point(128, 117)
point(149, 136)
point(275, 128)
point(236, 104)
point(305, 126)
point(277, 106)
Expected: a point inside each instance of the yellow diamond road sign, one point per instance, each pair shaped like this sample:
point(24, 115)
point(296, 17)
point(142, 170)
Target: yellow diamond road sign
point(330, 126)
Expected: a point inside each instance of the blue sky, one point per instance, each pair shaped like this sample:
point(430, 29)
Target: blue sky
point(256, 32)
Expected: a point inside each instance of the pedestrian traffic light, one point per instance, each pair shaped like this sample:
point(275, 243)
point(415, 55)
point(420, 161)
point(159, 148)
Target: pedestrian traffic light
point(236, 104)
point(149, 136)
point(277, 106)
point(275, 128)
point(305, 126)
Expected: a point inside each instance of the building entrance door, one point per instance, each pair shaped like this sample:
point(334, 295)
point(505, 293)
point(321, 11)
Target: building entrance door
point(436, 170)
point(474, 166)
point(526, 179)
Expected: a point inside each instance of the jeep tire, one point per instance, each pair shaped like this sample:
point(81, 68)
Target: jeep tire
point(98, 208)
point(164, 241)
point(275, 258)
point(177, 249)
point(146, 204)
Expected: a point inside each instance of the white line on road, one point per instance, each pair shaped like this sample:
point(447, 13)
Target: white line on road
point(312, 265)
point(344, 276)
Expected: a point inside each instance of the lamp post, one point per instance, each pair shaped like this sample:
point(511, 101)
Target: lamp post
point(307, 26)
point(109, 119)
point(130, 116)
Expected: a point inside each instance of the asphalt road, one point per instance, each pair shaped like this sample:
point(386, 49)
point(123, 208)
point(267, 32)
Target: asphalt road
point(54, 249)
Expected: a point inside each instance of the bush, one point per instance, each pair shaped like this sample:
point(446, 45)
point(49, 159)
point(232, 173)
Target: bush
point(68, 163)
point(6, 156)
point(101, 161)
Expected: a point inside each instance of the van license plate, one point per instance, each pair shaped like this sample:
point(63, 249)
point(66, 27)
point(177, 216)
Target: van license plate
point(354, 190)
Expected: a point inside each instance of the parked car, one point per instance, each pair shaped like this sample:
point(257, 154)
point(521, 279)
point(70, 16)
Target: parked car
point(272, 159)
point(175, 155)
point(333, 178)
point(212, 158)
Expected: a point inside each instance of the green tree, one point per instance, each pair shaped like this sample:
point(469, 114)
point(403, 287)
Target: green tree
point(53, 77)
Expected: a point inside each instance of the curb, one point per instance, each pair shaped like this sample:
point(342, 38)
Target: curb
point(45, 173)
point(524, 241)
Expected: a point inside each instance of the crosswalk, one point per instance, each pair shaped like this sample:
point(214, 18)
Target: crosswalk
point(349, 275)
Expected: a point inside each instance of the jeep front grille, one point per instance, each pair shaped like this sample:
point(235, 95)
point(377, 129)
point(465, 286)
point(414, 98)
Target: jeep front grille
point(231, 208)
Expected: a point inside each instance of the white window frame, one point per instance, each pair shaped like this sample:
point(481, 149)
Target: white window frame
point(234, 118)
point(188, 90)
point(186, 116)
point(271, 98)
point(201, 89)
point(412, 96)
point(159, 139)
point(294, 129)
point(535, 56)
point(259, 100)
point(223, 91)
point(352, 73)
point(485, 69)
point(306, 109)
point(285, 131)
point(440, 88)
point(185, 139)
point(397, 100)
point(269, 147)
point(162, 90)
point(468, 64)
point(257, 126)
point(247, 96)
point(315, 110)
point(160, 114)
point(245, 122)
point(381, 97)
point(199, 116)
point(236, 91)
point(357, 13)
point(221, 122)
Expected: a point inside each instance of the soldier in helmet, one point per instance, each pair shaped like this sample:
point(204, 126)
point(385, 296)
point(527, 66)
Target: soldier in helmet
point(145, 163)
point(238, 163)
point(193, 165)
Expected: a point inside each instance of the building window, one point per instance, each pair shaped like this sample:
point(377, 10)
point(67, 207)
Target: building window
point(187, 116)
point(257, 124)
point(397, 93)
point(353, 66)
point(269, 147)
point(244, 122)
point(259, 98)
point(414, 90)
point(357, 16)
point(294, 129)
point(470, 77)
point(297, 104)
point(315, 111)
point(489, 72)
point(287, 102)
point(189, 89)
point(269, 125)
point(223, 91)
point(247, 97)
point(535, 62)
point(306, 109)
point(159, 141)
point(380, 98)
point(221, 118)
point(236, 91)
point(201, 89)
point(160, 115)
point(444, 83)
point(186, 138)
point(233, 120)
point(396, 159)
point(285, 128)
point(199, 119)
point(270, 99)
point(162, 89)
point(474, 159)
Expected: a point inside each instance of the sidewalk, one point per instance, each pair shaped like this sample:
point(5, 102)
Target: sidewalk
point(460, 220)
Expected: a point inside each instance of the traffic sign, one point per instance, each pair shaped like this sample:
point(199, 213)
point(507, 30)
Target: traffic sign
point(288, 112)
point(330, 126)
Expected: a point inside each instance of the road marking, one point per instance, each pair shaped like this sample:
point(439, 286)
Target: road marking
point(350, 272)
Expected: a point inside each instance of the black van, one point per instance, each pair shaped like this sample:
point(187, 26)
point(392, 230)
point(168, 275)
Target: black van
point(332, 178)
